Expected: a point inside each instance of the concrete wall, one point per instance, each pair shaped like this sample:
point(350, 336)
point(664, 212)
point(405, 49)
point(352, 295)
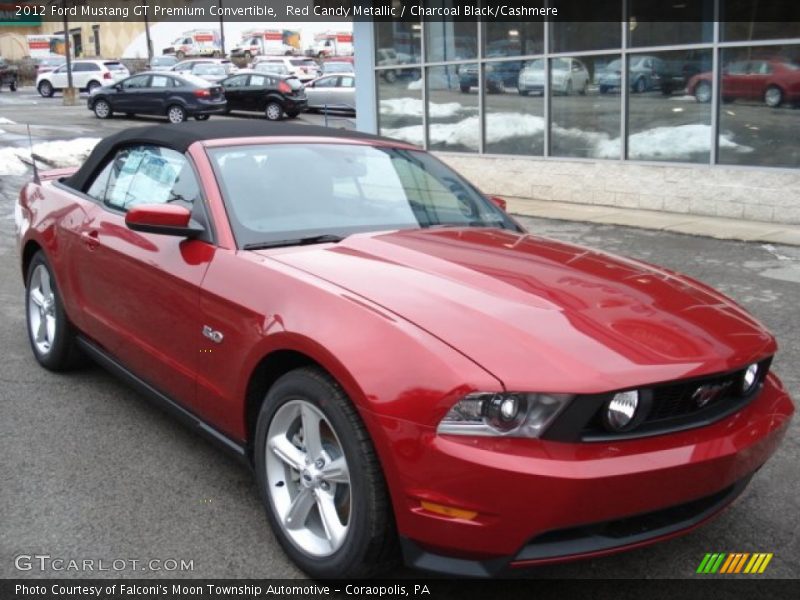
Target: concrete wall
point(771, 195)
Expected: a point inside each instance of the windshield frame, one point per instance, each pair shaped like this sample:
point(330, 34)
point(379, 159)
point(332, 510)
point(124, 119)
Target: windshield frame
point(242, 239)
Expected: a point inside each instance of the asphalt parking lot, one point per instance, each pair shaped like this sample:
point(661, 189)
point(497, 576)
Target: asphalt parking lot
point(91, 470)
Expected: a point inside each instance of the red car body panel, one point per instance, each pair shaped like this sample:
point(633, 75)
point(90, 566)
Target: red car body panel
point(754, 85)
point(408, 322)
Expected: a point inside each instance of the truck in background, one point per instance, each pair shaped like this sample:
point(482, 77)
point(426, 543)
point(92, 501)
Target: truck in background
point(332, 43)
point(264, 42)
point(196, 42)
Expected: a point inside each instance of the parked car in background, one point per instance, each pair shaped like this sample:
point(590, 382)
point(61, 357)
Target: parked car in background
point(210, 72)
point(775, 82)
point(305, 69)
point(567, 75)
point(8, 75)
point(49, 63)
point(273, 95)
point(332, 92)
point(273, 68)
point(498, 76)
point(86, 75)
point(187, 67)
point(162, 63)
point(337, 66)
point(174, 96)
point(644, 74)
point(408, 372)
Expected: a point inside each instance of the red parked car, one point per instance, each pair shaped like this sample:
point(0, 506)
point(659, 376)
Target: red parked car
point(773, 81)
point(408, 371)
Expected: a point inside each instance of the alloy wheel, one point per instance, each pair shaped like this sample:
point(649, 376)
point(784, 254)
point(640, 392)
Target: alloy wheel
point(42, 310)
point(102, 109)
point(308, 479)
point(703, 92)
point(176, 114)
point(274, 112)
point(773, 97)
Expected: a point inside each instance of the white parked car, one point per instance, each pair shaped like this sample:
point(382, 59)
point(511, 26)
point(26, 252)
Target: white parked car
point(187, 67)
point(305, 69)
point(568, 75)
point(86, 75)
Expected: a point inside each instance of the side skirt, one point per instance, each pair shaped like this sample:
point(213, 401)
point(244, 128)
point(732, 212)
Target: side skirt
point(163, 401)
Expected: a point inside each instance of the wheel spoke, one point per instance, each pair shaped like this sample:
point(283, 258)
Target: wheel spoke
point(334, 530)
point(37, 297)
point(47, 291)
point(336, 471)
point(301, 505)
point(41, 330)
point(287, 452)
point(311, 435)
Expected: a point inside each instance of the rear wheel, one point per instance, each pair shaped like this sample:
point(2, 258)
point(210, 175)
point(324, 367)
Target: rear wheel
point(179, 55)
point(176, 114)
point(320, 479)
point(102, 109)
point(273, 111)
point(464, 88)
point(46, 89)
point(640, 86)
point(93, 85)
point(13, 86)
point(702, 93)
point(390, 76)
point(52, 336)
point(202, 117)
point(773, 97)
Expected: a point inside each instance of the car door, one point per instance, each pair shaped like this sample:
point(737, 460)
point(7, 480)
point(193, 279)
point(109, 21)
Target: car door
point(58, 78)
point(734, 80)
point(757, 78)
point(235, 91)
point(131, 96)
point(142, 289)
point(256, 92)
point(347, 91)
point(159, 90)
point(319, 93)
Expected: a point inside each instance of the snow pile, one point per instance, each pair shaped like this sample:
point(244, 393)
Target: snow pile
point(59, 153)
point(678, 142)
point(4, 121)
point(412, 107)
point(415, 85)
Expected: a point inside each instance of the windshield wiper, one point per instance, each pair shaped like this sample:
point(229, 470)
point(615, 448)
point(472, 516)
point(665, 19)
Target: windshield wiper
point(303, 241)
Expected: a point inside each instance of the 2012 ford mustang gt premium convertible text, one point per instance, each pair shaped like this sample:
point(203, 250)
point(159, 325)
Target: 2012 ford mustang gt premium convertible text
point(408, 371)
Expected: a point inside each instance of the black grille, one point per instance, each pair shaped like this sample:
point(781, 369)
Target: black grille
point(676, 400)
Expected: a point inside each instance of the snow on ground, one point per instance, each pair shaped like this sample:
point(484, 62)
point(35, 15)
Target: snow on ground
point(58, 153)
point(415, 85)
point(5, 121)
point(412, 107)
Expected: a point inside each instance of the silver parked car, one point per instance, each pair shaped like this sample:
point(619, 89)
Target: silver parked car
point(336, 92)
point(567, 75)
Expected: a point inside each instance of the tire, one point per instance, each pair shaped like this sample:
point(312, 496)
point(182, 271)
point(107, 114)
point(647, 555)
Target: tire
point(202, 117)
point(46, 89)
point(773, 96)
point(248, 55)
point(465, 88)
point(390, 76)
point(702, 92)
point(13, 86)
point(584, 89)
point(523, 92)
point(365, 544)
point(640, 87)
point(129, 115)
point(293, 114)
point(273, 111)
point(54, 347)
point(568, 89)
point(603, 89)
point(176, 113)
point(180, 55)
point(102, 109)
point(93, 85)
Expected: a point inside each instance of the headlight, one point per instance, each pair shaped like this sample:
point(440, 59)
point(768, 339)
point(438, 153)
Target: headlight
point(503, 414)
point(750, 379)
point(621, 410)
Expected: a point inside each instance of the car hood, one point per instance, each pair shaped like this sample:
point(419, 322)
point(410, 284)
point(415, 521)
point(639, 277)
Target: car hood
point(539, 314)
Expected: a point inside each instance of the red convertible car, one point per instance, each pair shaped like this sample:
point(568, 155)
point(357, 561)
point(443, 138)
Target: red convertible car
point(408, 371)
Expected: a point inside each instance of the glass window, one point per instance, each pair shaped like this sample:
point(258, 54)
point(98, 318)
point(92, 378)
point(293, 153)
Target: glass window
point(258, 81)
point(453, 121)
point(585, 107)
point(600, 29)
point(137, 82)
point(236, 81)
point(347, 82)
point(514, 106)
point(663, 122)
point(758, 123)
point(751, 20)
point(161, 81)
point(147, 175)
point(688, 22)
point(326, 82)
point(513, 38)
point(400, 104)
point(402, 38)
point(451, 40)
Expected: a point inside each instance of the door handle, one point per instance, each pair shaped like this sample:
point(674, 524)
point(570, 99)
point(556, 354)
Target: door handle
point(90, 239)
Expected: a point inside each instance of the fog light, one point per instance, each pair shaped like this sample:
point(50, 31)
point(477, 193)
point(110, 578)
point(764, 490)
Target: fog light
point(750, 379)
point(621, 410)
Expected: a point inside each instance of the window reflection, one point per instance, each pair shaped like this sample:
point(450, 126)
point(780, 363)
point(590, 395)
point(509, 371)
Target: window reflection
point(453, 122)
point(576, 37)
point(515, 38)
point(759, 93)
point(759, 20)
point(449, 40)
point(398, 41)
point(585, 113)
point(400, 105)
point(687, 22)
point(514, 119)
point(664, 123)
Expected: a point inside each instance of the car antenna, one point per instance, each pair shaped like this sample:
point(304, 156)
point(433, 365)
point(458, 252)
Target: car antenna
point(33, 160)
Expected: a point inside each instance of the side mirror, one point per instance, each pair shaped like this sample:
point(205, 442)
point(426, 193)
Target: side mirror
point(498, 202)
point(118, 87)
point(165, 219)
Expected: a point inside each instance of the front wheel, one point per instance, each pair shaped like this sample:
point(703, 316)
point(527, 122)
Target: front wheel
point(176, 114)
point(13, 86)
point(202, 117)
point(93, 85)
point(274, 111)
point(46, 89)
point(702, 93)
point(102, 109)
point(320, 479)
point(52, 336)
point(773, 97)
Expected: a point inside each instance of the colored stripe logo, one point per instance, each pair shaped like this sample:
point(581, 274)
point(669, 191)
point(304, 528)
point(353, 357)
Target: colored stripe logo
point(734, 563)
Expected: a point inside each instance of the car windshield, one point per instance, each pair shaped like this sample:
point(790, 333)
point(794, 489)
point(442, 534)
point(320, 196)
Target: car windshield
point(337, 67)
point(276, 192)
point(208, 69)
point(535, 65)
point(271, 68)
point(615, 65)
point(114, 66)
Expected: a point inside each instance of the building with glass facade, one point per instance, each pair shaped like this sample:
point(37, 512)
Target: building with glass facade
point(698, 115)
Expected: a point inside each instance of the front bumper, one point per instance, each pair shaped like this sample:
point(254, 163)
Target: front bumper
point(539, 502)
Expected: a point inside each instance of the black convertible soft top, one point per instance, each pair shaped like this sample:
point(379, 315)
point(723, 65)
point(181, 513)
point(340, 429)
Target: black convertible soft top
point(179, 136)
